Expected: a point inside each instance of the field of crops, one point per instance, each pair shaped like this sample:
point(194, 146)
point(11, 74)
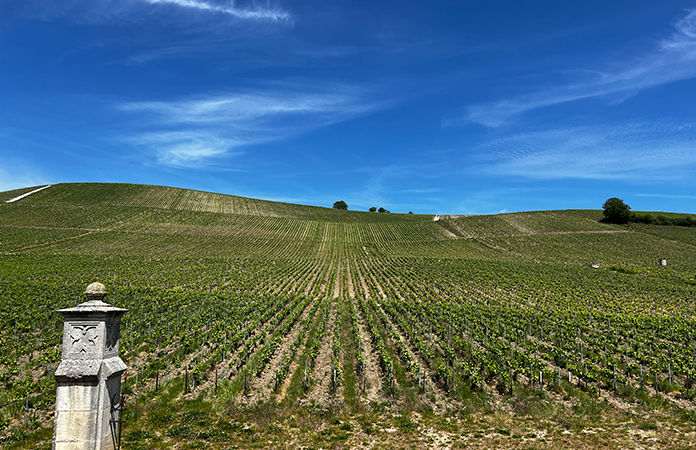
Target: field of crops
point(259, 324)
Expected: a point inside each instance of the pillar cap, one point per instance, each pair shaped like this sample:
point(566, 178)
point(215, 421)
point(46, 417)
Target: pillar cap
point(95, 293)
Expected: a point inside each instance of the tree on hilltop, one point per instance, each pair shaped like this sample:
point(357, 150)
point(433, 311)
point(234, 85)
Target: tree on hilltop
point(373, 209)
point(340, 205)
point(616, 211)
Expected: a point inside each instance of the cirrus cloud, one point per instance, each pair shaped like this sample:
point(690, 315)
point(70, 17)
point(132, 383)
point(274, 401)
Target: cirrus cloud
point(133, 11)
point(191, 132)
point(632, 152)
point(257, 12)
point(673, 60)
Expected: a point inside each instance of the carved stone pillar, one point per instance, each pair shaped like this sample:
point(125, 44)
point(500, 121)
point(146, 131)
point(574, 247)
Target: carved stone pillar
point(89, 375)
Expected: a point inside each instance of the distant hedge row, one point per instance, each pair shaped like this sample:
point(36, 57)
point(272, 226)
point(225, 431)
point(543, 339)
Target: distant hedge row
point(661, 219)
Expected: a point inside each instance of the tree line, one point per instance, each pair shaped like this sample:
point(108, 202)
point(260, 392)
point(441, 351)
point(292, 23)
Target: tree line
point(617, 211)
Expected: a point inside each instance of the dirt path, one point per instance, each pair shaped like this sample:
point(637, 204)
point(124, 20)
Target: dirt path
point(373, 380)
point(351, 287)
point(364, 274)
point(363, 284)
point(323, 287)
point(441, 399)
point(227, 373)
point(304, 278)
point(46, 244)
point(521, 228)
point(337, 283)
point(339, 394)
point(320, 392)
point(321, 252)
point(377, 285)
point(311, 283)
point(294, 365)
point(261, 387)
point(284, 282)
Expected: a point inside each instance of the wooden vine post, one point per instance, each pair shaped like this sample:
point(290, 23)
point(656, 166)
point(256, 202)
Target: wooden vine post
point(88, 394)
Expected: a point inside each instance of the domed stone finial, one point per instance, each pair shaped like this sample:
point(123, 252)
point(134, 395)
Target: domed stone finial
point(88, 379)
point(95, 291)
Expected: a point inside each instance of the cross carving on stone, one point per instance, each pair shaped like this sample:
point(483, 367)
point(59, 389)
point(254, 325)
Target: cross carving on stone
point(83, 338)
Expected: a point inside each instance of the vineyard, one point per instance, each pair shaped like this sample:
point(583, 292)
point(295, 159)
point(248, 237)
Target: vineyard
point(262, 324)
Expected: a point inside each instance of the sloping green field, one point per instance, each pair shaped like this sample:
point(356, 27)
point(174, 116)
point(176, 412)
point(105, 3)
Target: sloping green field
point(109, 217)
point(261, 324)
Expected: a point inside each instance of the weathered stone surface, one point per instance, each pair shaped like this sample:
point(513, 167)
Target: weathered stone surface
point(89, 375)
point(78, 396)
point(78, 369)
point(112, 366)
point(92, 306)
point(77, 426)
point(96, 289)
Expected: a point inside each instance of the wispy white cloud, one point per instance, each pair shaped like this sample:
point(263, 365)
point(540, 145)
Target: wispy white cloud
point(639, 151)
point(250, 108)
point(673, 59)
point(144, 56)
point(485, 200)
point(268, 12)
point(192, 132)
point(185, 148)
point(133, 11)
point(422, 191)
point(19, 177)
point(676, 197)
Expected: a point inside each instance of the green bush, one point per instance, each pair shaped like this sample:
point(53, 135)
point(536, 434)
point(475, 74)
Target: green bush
point(616, 211)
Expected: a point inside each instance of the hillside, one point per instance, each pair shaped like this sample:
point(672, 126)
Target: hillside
point(497, 323)
point(110, 218)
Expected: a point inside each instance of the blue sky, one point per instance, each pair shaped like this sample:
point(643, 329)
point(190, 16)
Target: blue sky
point(469, 107)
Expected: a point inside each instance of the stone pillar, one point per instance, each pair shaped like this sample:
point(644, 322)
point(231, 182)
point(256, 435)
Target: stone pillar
point(89, 375)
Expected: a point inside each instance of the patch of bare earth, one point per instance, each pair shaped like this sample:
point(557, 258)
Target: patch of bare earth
point(216, 372)
point(283, 388)
point(377, 285)
point(262, 387)
point(373, 381)
point(370, 277)
point(363, 284)
point(324, 238)
point(339, 394)
point(312, 282)
point(431, 387)
point(325, 281)
point(351, 287)
point(337, 284)
point(320, 392)
point(299, 281)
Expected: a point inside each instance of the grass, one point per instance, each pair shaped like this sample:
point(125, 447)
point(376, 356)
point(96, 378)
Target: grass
point(194, 268)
